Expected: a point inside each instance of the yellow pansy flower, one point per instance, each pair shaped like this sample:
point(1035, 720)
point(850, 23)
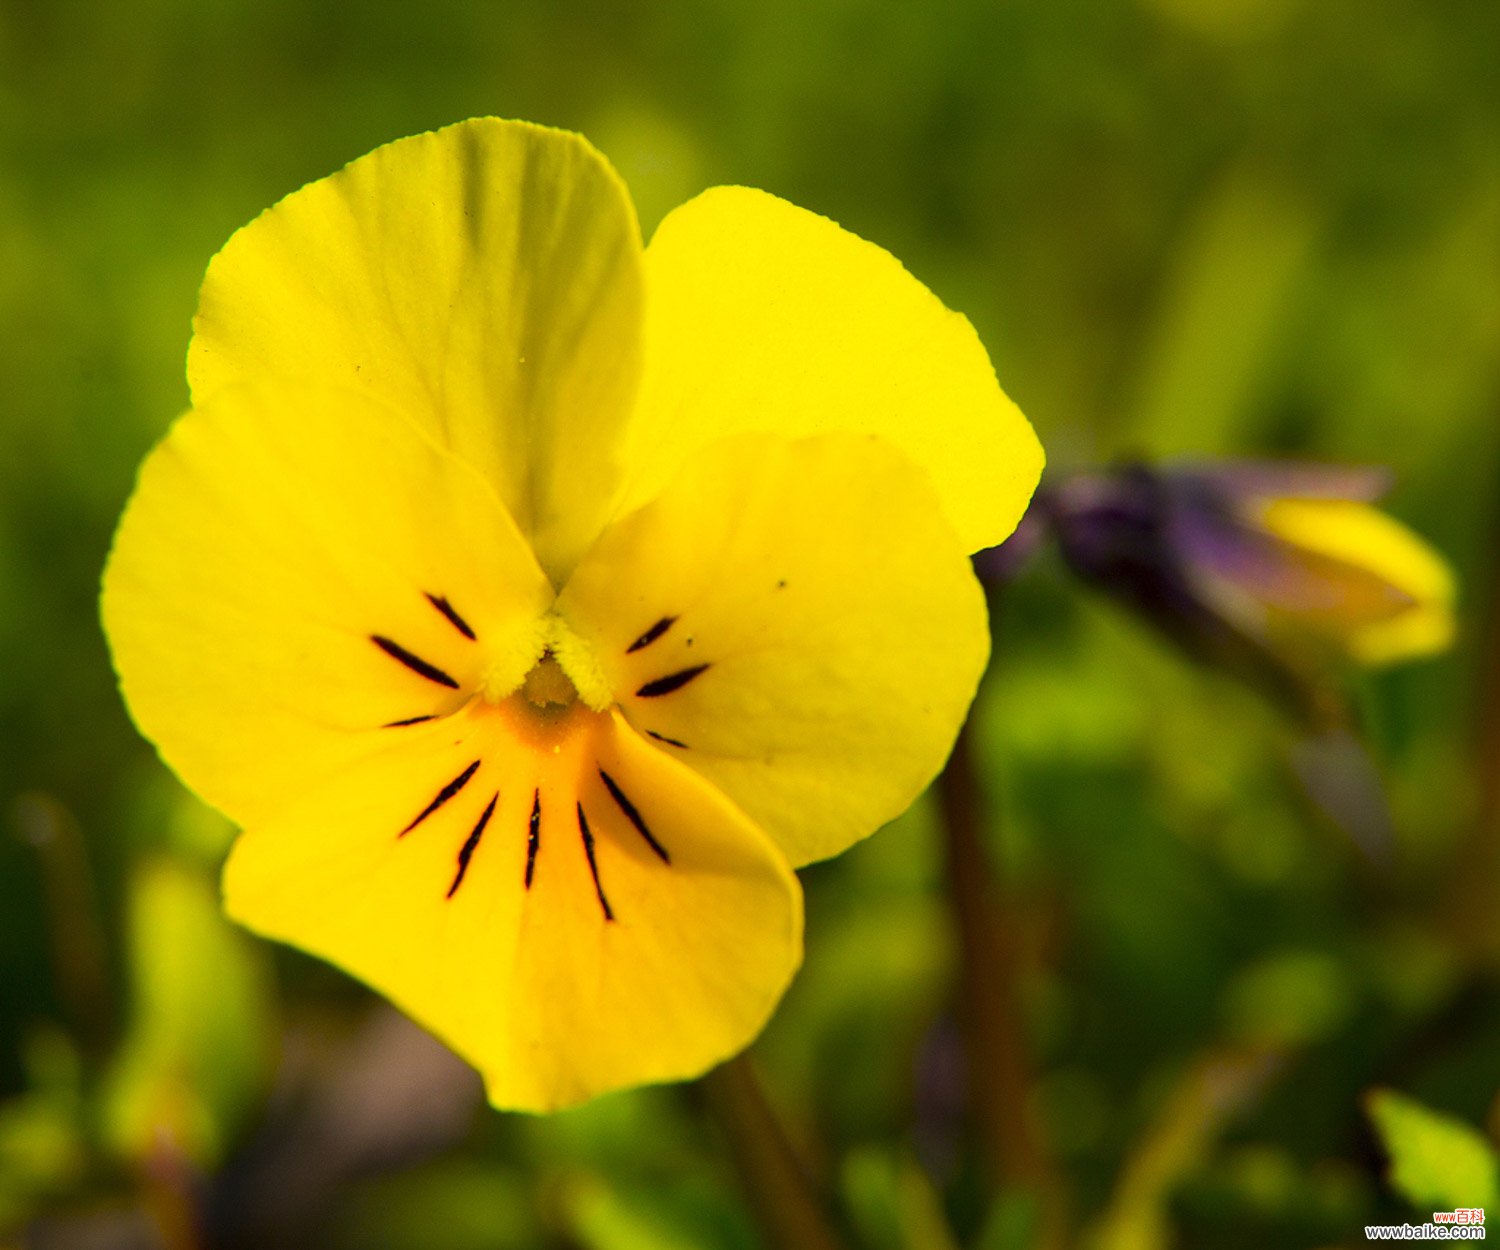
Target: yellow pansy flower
point(537, 601)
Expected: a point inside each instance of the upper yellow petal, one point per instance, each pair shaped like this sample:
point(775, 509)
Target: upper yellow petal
point(484, 279)
point(796, 621)
point(765, 317)
point(283, 550)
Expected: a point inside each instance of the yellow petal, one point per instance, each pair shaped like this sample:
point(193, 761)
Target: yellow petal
point(1391, 594)
point(484, 279)
point(795, 620)
point(578, 914)
point(283, 551)
point(765, 317)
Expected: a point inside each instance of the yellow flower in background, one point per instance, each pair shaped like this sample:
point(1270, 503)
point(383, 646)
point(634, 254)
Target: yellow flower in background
point(1389, 596)
point(537, 601)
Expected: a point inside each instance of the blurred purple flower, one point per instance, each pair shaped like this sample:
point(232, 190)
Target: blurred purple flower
point(1275, 573)
point(1298, 549)
point(1279, 568)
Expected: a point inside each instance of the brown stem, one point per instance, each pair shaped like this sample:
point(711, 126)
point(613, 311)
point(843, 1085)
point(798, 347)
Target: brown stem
point(1472, 906)
point(80, 965)
point(781, 1193)
point(990, 1017)
point(169, 1194)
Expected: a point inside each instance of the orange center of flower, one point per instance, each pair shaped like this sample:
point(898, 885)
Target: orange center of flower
point(544, 757)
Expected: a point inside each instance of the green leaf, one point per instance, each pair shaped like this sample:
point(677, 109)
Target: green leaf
point(43, 1152)
point(604, 1215)
point(1013, 1222)
point(1290, 998)
point(1222, 312)
point(196, 1055)
point(1438, 1163)
point(891, 1201)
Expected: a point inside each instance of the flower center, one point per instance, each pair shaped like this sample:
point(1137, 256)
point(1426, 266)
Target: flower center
point(547, 687)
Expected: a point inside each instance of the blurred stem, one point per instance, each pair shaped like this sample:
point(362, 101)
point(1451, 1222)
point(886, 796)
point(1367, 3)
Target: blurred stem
point(782, 1196)
point(1475, 899)
point(74, 928)
point(1214, 1089)
point(169, 1198)
point(993, 1029)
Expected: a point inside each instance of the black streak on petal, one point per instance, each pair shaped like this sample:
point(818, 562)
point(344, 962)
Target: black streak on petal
point(410, 720)
point(414, 662)
point(454, 619)
point(633, 816)
point(533, 836)
point(467, 850)
point(673, 681)
point(671, 742)
point(443, 795)
point(588, 849)
point(652, 634)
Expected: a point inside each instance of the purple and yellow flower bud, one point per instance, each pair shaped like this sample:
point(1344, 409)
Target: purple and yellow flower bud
point(1278, 565)
point(1300, 550)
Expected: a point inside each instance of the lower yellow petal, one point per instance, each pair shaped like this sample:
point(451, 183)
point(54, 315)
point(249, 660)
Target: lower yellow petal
point(763, 317)
point(300, 572)
point(796, 621)
point(568, 908)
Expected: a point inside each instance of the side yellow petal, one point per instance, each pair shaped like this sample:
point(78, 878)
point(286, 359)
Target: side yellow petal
point(1413, 617)
point(796, 621)
point(484, 279)
point(283, 550)
point(764, 317)
point(580, 914)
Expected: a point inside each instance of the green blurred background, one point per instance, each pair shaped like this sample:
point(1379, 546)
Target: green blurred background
point(1239, 227)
